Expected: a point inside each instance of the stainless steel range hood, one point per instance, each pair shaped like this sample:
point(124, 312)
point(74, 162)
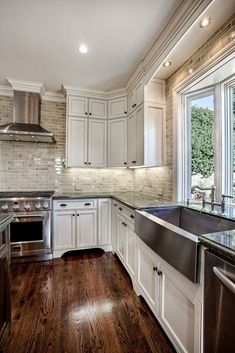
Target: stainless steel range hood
point(25, 126)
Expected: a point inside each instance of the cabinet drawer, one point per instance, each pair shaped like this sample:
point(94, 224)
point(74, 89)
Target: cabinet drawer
point(125, 211)
point(75, 204)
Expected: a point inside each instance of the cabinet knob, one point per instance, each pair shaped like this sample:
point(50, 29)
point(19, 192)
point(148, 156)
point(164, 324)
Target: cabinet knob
point(124, 224)
point(85, 162)
point(89, 162)
point(120, 208)
point(85, 113)
point(73, 214)
point(155, 269)
point(132, 216)
point(125, 163)
point(159, 273)
point(125, 112)
point(134, 105)
point(115, 204)
point(89, 113)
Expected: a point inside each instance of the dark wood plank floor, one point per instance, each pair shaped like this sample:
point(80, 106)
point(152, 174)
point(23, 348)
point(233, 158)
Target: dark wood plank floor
point(80, 304)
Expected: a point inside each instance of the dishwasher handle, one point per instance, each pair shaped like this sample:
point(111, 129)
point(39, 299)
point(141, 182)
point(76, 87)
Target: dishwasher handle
point(224, 279)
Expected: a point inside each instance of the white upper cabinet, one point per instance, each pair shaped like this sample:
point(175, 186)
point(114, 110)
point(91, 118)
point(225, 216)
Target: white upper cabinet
point(78, 106)
point(117, 108)
point(136, 137)
point(156, 92)
point(136, 97)
point(117, 142)
point(77, 141)
point(97, 145)
point(97, 109)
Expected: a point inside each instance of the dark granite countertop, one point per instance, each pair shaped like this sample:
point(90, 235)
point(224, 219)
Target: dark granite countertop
point(5, 219)
point(131, 199)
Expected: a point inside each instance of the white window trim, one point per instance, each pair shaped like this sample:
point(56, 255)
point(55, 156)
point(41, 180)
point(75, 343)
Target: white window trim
point(180, 137)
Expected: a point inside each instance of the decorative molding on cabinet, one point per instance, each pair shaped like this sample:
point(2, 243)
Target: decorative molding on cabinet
point(98, 94)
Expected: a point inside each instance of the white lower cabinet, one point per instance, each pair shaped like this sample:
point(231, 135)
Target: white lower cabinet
point(130, 250)
point(86, 235)
point(121, 236)
point(64, 230)
point(174, 306)
point(104, 218)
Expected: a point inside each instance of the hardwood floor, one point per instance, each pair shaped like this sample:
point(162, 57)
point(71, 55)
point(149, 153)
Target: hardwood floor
point(80, 304)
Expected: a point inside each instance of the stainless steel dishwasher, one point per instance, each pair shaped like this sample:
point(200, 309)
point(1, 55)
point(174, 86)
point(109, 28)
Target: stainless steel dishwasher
point(219, 305)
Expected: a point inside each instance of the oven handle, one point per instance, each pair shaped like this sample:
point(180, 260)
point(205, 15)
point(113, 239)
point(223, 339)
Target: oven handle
point(224, 279)
point(28, 218)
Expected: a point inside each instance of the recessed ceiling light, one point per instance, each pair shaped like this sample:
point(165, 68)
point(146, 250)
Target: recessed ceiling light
point(232, 35)
point(205, 22)
point(189, 70)
point(83, 48)
point(167, 63)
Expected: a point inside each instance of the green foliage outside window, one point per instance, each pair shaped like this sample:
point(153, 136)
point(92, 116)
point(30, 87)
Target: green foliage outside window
point(202, 135)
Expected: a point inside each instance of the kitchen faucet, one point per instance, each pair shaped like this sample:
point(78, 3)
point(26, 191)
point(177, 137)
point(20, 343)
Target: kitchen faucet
point(212, 202)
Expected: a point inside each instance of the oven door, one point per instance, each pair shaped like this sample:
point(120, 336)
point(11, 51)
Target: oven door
point(30, 234)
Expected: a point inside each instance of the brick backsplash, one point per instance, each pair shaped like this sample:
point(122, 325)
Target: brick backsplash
point(30, 166)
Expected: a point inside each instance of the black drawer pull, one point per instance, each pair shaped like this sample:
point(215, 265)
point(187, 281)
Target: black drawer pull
point(115, 204)
point(132, 216)
point(63, 205)
point(133, 161)
point(87, 204)
point(120, 208)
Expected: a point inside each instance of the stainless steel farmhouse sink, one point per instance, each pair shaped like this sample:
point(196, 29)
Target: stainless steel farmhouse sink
point(172, 232)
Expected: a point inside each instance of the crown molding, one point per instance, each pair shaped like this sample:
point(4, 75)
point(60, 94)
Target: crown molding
point(99, 94)
point(27, 86)
point(6, 91)
point(54, 97)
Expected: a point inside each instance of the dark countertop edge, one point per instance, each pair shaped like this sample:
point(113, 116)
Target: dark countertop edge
point(6, 220)
point(218, 248)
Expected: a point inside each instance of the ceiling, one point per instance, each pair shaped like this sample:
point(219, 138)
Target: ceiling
point(219, 11)
point(38, 39)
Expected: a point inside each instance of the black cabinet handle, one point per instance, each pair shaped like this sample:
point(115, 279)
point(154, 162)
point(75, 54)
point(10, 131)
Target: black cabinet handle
point(115, 204)
point(134, 105)
point(73, 214)
point(86, 113)
point(87, 204)
point(159, 273)
point(63, 205)
point(120, 208)
point(125, 163)
point(89, 162)
point(78, 214)
point(124, 224)
point(85, 162)
point(155, 269)
point(132, 216)
point(133, 162)
point(89, 113)
point(125, 112)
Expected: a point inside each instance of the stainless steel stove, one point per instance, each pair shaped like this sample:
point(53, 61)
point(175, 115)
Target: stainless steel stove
point(30, 232)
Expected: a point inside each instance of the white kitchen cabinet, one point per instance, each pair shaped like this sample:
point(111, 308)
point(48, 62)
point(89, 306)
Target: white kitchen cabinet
point(136, 137)
point(114, 225)
point(174, 305)
point(104, 224)
point(130, 254)
point(117, 108)
point(77, 106)
point(86, 142)
point(77, 141)
point(180, 313)
point(117, 142)
point(136, 97)
point(97, 108)
point(86, 222)
point(121, 238)
point(147, 280)
point(97, 143)
point(64, 230)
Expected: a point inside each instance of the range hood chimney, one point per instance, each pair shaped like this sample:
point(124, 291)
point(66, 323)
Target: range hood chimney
point(25, 126)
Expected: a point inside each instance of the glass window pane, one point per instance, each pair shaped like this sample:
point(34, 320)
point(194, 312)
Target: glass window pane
point(202, 145)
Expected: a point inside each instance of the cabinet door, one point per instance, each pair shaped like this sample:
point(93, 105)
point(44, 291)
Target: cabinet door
point(117, 108)
point(140, 136)
point(64, 230)
point(121, 238)
point(5, 299)
point(97, 108)
point(132, 140)
point(114, 225)
point(131, 101)
point(130, 251)
point(78, 106)
point(86, 228)
point(154, 132)
point(104, 218)
point(117, 142)
point(77, 142)
point(97, 149)
point(139, 94)
point(180, 314)
point(147, 277)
